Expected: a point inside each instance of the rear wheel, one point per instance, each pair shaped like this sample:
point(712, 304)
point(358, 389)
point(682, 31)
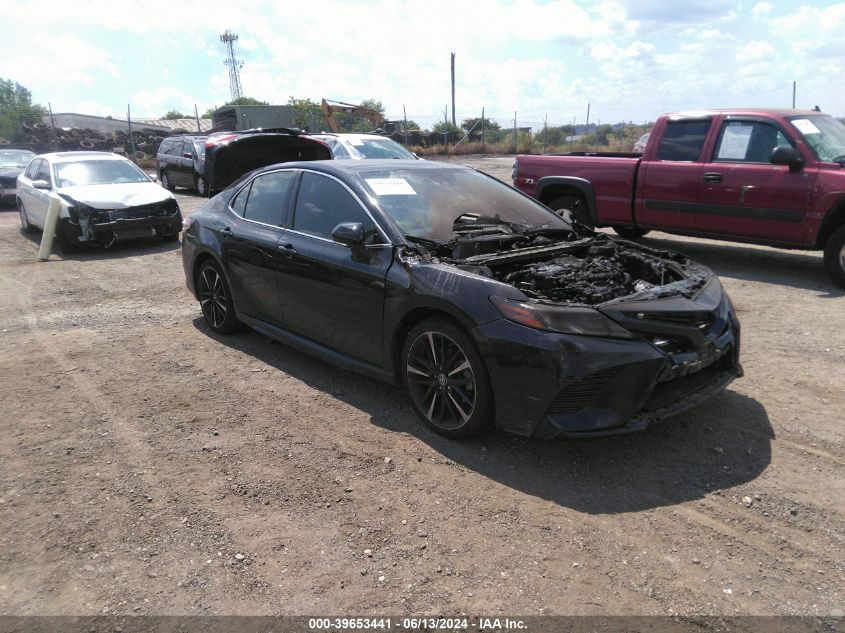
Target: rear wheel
point(216, 299)
point(576, 205)
point(26, 227)
point(446, 380)
point(834, 256)
point(630, 232)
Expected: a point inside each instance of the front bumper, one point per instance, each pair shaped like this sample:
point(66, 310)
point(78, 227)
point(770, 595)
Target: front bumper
point(123, 229)
point(547, 384)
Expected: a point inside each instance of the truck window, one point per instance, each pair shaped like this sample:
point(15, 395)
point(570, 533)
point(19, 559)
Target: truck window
point(748, 142)
point(683, 140)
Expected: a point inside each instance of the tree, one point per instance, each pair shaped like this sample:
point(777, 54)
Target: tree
point(306, 113)
point(475, 122)
point(246, 101)
point(16, 108)
point(175, 114)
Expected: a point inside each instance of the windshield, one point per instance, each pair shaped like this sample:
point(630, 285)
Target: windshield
point(379, 148)
point(98, 172)
point(426, 203)
point(14, 158)
point(824, 134)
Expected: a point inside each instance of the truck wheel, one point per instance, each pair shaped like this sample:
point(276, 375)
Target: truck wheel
point(577, 206)
point(629, 232)
point(834, 256)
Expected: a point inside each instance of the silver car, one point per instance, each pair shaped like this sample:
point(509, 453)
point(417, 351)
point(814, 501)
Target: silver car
point(363, 146)
point(104, 198)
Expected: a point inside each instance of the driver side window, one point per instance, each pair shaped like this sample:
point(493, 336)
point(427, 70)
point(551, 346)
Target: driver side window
point(323, 203)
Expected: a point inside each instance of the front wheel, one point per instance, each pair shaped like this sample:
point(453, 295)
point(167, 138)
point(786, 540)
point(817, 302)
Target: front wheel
point(216, 299)
point(834, 256)
point(630, 232)
point(165, 182)
point(577, 206)
point(202, 187)
point(446, 379)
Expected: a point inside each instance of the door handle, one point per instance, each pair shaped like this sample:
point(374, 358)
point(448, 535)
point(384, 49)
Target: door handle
point(712, 177)
point(226, 230)
point(287, 250)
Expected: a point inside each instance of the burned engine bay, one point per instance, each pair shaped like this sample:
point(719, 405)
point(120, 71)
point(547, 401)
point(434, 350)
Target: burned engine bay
point(573, 266)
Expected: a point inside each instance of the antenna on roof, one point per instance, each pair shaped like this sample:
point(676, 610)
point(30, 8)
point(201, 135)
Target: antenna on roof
point(228, 38)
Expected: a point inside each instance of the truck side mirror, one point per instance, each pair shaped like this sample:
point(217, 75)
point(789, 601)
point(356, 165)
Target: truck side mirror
point(788, 156)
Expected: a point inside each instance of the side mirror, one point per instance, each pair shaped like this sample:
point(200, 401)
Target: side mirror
point(152, 177)
point(41, 184)
point(788, 156)
point(349, 234)
point(187, 155)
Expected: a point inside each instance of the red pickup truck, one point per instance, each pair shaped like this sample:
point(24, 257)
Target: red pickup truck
point(774, 177)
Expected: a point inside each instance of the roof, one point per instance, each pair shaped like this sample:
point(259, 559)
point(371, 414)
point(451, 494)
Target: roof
point(783, 112)
point(189, 125)
point(349, 167)
point(67, 157)
point(350, 135)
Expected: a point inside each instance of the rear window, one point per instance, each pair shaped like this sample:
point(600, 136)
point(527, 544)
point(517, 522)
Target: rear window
point(683, 140)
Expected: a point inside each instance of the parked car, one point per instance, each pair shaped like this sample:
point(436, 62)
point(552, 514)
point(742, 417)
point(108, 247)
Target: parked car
point(484, 304)
point(763, 176)
point(639, 146)
point(180, 162)
point(105, 198)
point(362, 146)
point(12, 164)
point(230, 155)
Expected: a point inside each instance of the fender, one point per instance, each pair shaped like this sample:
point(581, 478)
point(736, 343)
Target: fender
point(584, 187)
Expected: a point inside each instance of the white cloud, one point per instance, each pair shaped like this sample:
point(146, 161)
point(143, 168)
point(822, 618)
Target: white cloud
point(755, 51)
point(152, 103)
point(761, 9)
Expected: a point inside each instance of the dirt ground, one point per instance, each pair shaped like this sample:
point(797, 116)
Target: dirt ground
point(148, 466)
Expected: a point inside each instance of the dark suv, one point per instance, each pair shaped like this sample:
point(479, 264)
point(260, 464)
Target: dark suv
point(180, 162)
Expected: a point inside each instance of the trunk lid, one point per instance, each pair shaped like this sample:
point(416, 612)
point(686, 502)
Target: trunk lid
point(230, 156)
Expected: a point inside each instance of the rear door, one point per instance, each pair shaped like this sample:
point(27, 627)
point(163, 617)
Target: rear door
point(746, 195)
point(250, 244)
point(330, 296)
point(40, 198)
point(669, 181)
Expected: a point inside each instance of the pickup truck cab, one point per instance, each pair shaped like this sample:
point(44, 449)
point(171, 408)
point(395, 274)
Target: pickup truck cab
point(764, 176)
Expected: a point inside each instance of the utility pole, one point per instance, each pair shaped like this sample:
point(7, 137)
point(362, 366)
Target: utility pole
point(545, 129)
point(587, 125)
point(197, 114)
point(228, 38)
point(405, 118)
point(794, 87)
point(483, 123)
point(129, 122)
point(453, 91)
point(514, 131)
point(445, 125)
point(53, 127)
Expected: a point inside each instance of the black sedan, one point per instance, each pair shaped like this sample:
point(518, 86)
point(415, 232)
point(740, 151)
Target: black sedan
point(487, 307)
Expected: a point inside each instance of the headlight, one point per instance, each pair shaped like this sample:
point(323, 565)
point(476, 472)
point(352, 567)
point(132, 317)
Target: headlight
point(581, 321)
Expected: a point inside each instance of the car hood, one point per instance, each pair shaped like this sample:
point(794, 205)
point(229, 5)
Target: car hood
point(11, 172)
point(228, 159)
point(116, 196)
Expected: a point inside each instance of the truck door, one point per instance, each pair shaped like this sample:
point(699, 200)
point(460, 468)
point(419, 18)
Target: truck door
point(670, 179)
point(744, 194)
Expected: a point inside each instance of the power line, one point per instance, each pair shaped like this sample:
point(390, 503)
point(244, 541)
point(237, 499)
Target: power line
point(228, 38)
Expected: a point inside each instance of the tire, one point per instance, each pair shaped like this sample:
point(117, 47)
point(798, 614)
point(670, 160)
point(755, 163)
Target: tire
point(216, 302)
point(630, 233)
point(577, 206)
point(201, 186)
point(834, 256)
point(165, 182)
point(26, 226)
point(67, 243)
point(446, 380)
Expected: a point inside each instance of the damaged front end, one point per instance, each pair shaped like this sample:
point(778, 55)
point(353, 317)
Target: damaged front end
point(625, 334)
point(85, 223)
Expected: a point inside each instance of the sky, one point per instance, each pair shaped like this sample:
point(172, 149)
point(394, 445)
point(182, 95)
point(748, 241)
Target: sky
point(545, 60)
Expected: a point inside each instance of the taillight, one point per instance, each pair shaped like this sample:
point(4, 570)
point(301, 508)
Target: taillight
point(514, 170)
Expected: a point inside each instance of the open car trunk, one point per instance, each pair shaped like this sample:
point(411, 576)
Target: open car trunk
point(227, 158)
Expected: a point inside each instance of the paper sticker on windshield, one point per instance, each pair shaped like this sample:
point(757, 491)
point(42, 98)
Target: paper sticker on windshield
point(390, 187)
point(805, 126)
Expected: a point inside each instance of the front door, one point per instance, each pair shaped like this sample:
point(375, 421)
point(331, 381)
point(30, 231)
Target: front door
point(747, 195)
point(331, 295)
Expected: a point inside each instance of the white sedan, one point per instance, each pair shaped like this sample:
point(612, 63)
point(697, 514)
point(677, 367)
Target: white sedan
point(104, 198)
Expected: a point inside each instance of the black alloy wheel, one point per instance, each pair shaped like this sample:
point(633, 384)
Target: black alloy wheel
point(202, 188)
point(165, 182)
point(215, 299)
point(630, 233)
point(834, 256)
point(26, 226)
point(446, 379)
